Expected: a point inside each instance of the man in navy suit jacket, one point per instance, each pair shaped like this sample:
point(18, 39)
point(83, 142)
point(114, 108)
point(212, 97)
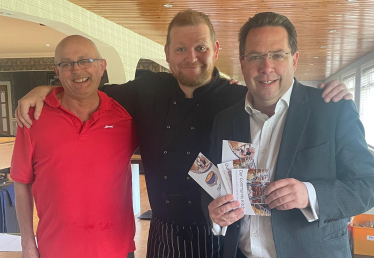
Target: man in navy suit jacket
point(321, 169)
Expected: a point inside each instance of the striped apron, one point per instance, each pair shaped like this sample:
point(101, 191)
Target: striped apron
point(167, 240)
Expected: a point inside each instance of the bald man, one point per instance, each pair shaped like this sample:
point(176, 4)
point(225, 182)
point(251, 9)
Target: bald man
point(75, 162)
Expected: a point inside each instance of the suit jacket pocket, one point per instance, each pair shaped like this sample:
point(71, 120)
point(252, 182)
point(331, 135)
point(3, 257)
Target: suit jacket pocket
point(335, 230)
point(312, 164)
point(313, 152)
point(336, 243)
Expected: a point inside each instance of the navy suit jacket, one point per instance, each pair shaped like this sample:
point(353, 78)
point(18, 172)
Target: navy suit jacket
point(324, 144)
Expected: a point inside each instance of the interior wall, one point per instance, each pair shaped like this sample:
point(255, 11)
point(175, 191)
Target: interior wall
point(22, 82)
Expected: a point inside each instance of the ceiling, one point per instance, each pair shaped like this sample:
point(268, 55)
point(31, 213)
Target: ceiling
point(27, 39)
point(331, 33)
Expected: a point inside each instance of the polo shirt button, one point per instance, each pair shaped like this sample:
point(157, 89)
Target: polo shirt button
point(192, 128)
point(165, 152)
point(188, 178)
point(168, 127)
point(165, 177)
point(174, 102)
point(189, 202)
point(194, 223)
point(197, 105)
point(167, 201)
point(188, 153)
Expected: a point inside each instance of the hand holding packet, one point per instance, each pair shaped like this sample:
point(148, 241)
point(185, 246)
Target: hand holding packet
point(237, 175)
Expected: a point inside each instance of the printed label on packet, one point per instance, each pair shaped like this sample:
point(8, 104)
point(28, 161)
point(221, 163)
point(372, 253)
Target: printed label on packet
point(239, 188)
point(225, 170)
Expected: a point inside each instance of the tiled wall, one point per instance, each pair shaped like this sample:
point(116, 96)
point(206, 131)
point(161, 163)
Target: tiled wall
point(26, 64)
point(129, 45)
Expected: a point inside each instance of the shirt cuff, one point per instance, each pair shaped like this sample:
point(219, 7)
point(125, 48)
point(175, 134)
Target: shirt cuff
point(217, 229)
point(311, 213)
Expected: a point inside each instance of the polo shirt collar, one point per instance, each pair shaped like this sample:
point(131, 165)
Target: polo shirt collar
point(52, 101)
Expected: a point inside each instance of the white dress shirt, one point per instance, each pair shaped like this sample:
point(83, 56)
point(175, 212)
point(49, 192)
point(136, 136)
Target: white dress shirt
point(256, 237)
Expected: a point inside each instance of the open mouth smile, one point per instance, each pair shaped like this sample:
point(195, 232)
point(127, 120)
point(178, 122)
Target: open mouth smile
point(81, 79)
point(268, 82)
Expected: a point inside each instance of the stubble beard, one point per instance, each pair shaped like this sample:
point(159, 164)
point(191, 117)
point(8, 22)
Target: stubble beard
point(197, 80)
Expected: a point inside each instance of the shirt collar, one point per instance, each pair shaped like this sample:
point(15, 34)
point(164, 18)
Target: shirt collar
point(284, 99)
point(52, 100)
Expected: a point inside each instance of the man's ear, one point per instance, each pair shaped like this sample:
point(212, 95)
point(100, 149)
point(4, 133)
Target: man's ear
point(295, 58)
point(242, 62)
point(166, 49)
point(216, 50)
point(55, 69)
point(103, 66)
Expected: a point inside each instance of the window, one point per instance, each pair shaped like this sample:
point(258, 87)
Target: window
point(367, 103)
point(350, 81)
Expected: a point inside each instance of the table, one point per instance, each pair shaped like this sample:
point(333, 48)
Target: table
point(8, 217)
point(6, 151)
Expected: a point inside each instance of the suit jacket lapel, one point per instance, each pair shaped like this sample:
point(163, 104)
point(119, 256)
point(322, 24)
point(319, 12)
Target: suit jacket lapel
point(296, 121)
point(240, 125)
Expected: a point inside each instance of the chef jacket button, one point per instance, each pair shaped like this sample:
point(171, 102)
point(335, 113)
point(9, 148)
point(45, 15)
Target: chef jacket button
point(167, 201)
point(174, 102)
point(192, 128)
point(165, 177)
point(188, 153)
point(188, 178)
point(165, 152)
point(189, 202)
point(168, 127)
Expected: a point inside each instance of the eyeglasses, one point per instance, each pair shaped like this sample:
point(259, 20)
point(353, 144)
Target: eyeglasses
point(83, 63)
point(276, 57)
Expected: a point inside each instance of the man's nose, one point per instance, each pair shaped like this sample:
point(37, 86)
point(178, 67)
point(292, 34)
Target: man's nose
point(267, 65)
point(75, 67)
point(191, 56)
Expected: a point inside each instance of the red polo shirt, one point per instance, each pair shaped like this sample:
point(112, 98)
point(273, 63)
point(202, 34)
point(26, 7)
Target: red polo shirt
point(80, 177)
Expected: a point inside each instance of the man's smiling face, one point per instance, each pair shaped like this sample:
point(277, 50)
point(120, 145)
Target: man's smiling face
point(191, 54)
point(79, 82)
point(268, 79)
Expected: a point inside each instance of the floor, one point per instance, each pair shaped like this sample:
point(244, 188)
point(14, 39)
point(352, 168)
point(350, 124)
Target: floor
point(142, 227)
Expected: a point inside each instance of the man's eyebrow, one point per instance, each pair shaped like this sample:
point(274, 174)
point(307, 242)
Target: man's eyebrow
point(199, 42)
point(63, 60)
point(261, 53)
point(69, 60)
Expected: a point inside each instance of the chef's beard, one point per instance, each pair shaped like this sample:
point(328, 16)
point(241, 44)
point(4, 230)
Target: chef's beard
point(196, 80)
